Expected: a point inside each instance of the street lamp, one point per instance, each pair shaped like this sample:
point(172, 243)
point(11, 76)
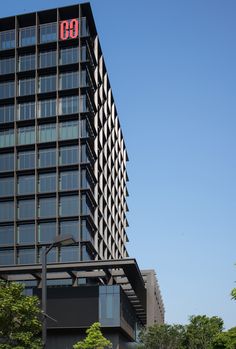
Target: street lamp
point(60, 240)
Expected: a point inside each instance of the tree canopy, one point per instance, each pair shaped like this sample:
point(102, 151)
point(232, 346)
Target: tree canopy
point(225, 340)
point(94, 339)
point(20, 326)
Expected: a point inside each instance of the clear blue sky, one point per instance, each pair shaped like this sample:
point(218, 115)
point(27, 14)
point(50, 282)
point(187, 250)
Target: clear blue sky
point(172, 67)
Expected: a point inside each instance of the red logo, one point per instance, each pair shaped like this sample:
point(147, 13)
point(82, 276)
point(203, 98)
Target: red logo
point(69, 29)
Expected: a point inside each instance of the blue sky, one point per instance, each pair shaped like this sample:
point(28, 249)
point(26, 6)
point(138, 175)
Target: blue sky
point(172, 67)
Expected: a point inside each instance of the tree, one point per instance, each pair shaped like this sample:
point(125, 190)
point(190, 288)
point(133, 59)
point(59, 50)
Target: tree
point(233, 293)
point(202, 330)
point(225, 340)
point(20, 326)
point(94, 339)
point(163, 337)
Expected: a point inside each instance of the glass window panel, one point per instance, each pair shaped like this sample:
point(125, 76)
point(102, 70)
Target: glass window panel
point(47, 59)
point(69, 180)
point(47, 133)
point(69, 254)
point(7, 113)
point(7, 138)
point(7, 186)
point(26, 111)
point(69, 55)
point(7, 235)
point(69, 80)
point(7, 211)
point(7, 65)
point(7, 162)
point(27, 36)
point(86, 256)
point(69, 205)
point(86, 208)
point(86, 234)
point(26, 135)
point(69, 105)
point(84, 30)
point(47, 107)
point(69, 155)
point(47, 207)
point(69, 129)
point(6, 257)
point(26, 159)
point(7, 39)
point(26, 184)
point(48, 32)
point(46, 232)
point(26, 209)
point(26, 256)
point(47, 157)
point(70, 227)
point(47, 182)
point(47, 83)
point(26, 87)
point(7, 89)
point(26, 234)
point(51, 256)
point(27, 62)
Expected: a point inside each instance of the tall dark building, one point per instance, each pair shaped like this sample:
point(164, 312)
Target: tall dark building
point(63, 170)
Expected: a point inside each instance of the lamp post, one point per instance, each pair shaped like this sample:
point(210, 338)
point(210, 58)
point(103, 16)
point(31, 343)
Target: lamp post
point(61, 240)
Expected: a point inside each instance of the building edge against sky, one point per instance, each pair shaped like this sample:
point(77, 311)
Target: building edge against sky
point(63, 170)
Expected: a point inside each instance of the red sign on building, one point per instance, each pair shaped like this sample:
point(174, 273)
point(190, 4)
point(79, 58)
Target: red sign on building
point(69, 29)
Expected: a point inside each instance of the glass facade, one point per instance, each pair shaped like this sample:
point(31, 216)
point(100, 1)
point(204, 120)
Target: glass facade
point(6, 162)
point(7, 65)
point(47, 59)
point(47, 107)
point(26, 111)
point(7, 113)
point(48, 32)
point(47, 83)
point(7, 89)
point(27, 36)
point(26, 160)
point(26, 87)
point(7, 40)
point(26, 62)
point(6, 186)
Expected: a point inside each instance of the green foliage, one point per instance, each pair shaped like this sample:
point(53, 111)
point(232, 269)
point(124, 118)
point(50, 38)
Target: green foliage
point(94, 339)
point(225, 340)
point(19, 318)
point(201, 331)
point(233, 293)
point(163, 337)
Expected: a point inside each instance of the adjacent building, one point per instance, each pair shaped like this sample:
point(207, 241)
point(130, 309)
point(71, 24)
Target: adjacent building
point(63, 170)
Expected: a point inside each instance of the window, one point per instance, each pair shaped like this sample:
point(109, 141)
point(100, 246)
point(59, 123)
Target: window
point(26, 256)
point(26, 135)
point(6, 162)
point(47, 59)
point(69, 180)
point(7, 235)
point(47, 182)
point(48, 32)
point(86, 208)
point(26, 185)
point(26, 159)
point(46, 232)
point(69, 55)
point(7, 113)
point(70, 227)
point(7, 65)
point(47, 83)
point(26, 209)
point(69, 129)
point(47, 107)
point(7, 211)
point(86, 256)
point(47, 157)
point(7, 39)
point(26, 234)
point(6, 257)
point(86, 234)
point(7, 138)
point(69, 205)
point(47, 207)
point(84, 30)
point(27, 36)
point(85, 184)
point(27, 62)
point(69, 80)
point(69, 254)
point(7, 89)
point(47, 133)
point(26, 87)
point(51, 256)
point(7, 186)
point(26, 111)
point(69, 155)
point(69, 105)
